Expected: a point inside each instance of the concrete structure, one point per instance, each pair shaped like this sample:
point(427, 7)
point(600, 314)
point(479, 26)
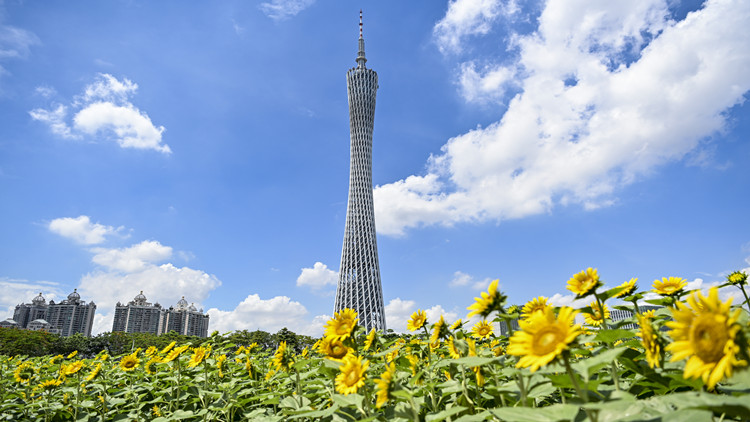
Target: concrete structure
point(70, 316)
point(186, 320)
point(359, 285)
point(138, 316)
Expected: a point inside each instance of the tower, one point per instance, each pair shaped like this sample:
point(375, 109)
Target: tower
point(359, 285)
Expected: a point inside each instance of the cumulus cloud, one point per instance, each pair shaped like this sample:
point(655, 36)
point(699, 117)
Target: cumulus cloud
point(133, 258)
point(461, 279)
point(466, 18)
point(269, 315)
point(608, 92)
point(82, 230)
point(399, 311)
point(318, 276)
point(104, 110)
point(279, 10)
point(486, 85)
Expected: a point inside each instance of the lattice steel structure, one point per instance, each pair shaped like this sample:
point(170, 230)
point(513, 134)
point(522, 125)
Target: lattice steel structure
point(359, 285)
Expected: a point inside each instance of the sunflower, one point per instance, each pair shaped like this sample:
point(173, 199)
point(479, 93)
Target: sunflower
point(56, 359)
point(103, 357)
point(369, 340)
point(543, 337)
point(199, 355)
point(334, 349)
point(584, 283)
point(174, 353)
point(497, 348)
point(492, 300)
point(155, 411)
point(628, 288)
point(477, 369)
point(352, 375)
point(342, 324)
point(129, 363)
point(50, 384)
point(72, 354)
point(249, 367)
point(439, 331)
point(597, 316)
point(282, 359)
point(304, 352)
point(384, 385)
point(737, 277)
point(150, 366)
point(414, 366)
point(220, 364)
point(167, 348)
point(72, 368)
point(456, 325)
point(94, 372)
point(417, 321)
point(669, 286)
point(151, 350)
point(452, 349)
point(482, 329)
point(706, 334)
point(270, 374)
point(650, 341)
point(24, 372)
point(537, 304)
point(239, 350)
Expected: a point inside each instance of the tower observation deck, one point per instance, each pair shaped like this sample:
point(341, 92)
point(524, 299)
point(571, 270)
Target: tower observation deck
point(359, 286)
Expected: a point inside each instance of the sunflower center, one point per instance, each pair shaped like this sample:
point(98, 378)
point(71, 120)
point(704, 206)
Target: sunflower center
point(351, 378)
point(546, 340)
point(338, 351)
point(343, 328)
point(708, 336)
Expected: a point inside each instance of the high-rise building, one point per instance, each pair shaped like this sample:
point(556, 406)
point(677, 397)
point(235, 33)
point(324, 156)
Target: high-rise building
point(138, 316)
point(186, 320)
point(70, 316)
point(359, 285)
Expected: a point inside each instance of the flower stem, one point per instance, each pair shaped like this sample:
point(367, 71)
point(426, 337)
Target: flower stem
point(747, 301)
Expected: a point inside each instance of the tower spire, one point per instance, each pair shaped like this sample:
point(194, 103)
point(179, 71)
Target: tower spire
point(361, 53)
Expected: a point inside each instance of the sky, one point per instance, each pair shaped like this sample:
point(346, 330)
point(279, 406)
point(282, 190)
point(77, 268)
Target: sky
point(202, 150)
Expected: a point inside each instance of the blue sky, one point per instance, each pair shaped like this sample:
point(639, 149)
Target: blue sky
point(202, 150)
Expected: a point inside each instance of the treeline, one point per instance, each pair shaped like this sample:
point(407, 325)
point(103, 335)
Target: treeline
point(39, 343)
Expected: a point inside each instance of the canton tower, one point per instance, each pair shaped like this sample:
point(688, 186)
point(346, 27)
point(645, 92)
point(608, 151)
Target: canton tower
point(359, 285)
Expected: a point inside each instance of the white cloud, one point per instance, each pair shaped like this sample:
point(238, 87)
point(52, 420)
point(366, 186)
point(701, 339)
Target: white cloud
point(468, 17)
point(15, 43)
point(461, 279)
point(269, 315)
point(104, 109)
point(399, 311)
point(279, 10)
point(488, 85)
point(16, 291)
point(82, 230)
point(318, 276)
point(134, 258)
point(610, 91)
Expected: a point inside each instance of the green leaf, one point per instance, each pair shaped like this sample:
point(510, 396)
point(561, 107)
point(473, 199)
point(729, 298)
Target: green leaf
point(557, 412)
point(445, 414)
point(468, 361)
point(611, 336)
point(588, 366)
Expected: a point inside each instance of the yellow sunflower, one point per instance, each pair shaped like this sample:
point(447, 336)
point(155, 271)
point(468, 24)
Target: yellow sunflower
point(72, 354)
point(129, 363)
point(220, 364)
point(585, 282)
point(50, 384)
point(477, 369)
point(417, 321)
point(456, 325)
point(596, 317)
point(174, 353)
point(56, 359)
point(737, 277)
point(167, 348)
point(282, 359)
point(497, 348)
point(650, 341)
point(452, 349)
point(492, 300)
point(150, 366)
point(24, 372)
point(71, 368)
point(249, 367)
point(628, 288)
point(334, 349)
point(384, 385)
point(151, 350)
point(543, 337)
point(94, 372)
point(199, 355)
point(482, 329)
point(439, 331)
point(669, 286)
point(370, 339)
point(342, 324)
point(705, 333)
point(352, 375)
point(537, 304)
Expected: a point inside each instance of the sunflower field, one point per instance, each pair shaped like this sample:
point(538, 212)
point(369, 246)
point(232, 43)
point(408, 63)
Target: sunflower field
point(686, 360)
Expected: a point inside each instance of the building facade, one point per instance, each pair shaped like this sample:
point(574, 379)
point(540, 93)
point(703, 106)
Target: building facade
point(138, 316)
point(359, 286)
point(141, 316)
point(70, 316)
